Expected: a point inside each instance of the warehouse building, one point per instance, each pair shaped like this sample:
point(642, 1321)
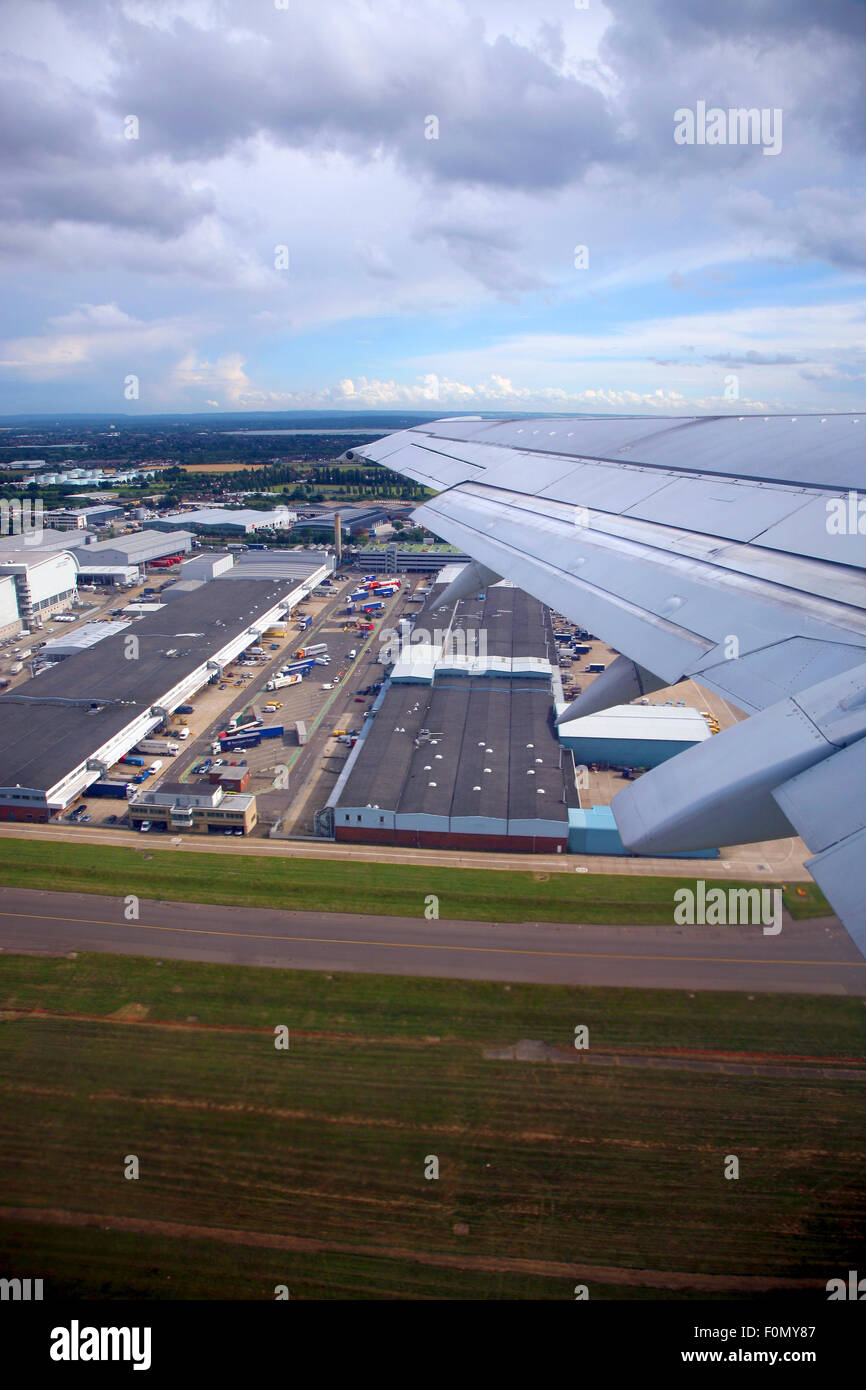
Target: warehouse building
point(353, 517)
point(224, 519)
point(82, 518)
point(207, 564)
point(467, 762)
point(44, 542)
point(65, 728)
point(302, 569)
point(463, 749)
point(139, 548)
point(82, 639)
point(634, 735)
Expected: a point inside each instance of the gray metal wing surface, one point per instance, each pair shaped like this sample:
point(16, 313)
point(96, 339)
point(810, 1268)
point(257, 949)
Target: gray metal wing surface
point(728, 549)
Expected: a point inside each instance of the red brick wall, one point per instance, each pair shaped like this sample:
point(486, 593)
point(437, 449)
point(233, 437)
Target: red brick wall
point(425, 839)
point(38, 814)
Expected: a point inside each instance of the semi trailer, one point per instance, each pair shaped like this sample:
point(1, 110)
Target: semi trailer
point(279, 682)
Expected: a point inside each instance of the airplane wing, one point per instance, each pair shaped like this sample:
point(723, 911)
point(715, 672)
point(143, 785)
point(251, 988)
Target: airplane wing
point(727, 549)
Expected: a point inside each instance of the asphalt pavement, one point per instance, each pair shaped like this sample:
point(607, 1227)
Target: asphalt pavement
point(815, 957)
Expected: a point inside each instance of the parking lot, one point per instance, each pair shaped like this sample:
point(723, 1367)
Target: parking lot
point(285, 776)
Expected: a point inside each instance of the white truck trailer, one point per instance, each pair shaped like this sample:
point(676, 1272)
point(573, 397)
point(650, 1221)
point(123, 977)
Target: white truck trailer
point(159, 745)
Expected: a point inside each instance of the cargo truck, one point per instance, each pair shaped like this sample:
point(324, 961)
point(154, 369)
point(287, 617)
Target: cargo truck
point(116, 789)
point(372, 607)
point(298, 668)
point(280, 681)
point(301, 731)
point(158, 745)
point(133, 762)
point(233, 743)
point(315, 650)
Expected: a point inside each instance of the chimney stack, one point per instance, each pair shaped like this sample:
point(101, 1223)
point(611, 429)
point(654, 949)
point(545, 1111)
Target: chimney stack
point(338, 539)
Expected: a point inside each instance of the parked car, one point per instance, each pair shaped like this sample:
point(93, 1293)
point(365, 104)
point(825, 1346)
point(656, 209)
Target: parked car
point(145, 826)
point(329, 686)
point(238, 831)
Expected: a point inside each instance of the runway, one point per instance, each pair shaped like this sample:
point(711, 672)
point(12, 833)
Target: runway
point(814, 957)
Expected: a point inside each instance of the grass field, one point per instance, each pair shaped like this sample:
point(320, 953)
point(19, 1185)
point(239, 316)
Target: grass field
point(320, 885)
point(249, 1155)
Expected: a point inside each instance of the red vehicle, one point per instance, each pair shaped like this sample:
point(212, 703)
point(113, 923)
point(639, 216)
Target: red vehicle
point(166, 562)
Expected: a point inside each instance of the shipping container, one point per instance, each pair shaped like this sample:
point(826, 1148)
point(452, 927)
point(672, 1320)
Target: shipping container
point(116, 789)
point(133, 762)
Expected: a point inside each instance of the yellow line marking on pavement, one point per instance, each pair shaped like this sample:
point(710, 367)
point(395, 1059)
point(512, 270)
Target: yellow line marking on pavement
point(423, 945)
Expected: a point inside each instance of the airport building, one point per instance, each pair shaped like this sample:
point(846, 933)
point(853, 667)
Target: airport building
point(66, 727)
point(10, 619)
point(44, 581)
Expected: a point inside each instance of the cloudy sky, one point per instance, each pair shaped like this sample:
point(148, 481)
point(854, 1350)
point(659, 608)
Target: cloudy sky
point(382, 203)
